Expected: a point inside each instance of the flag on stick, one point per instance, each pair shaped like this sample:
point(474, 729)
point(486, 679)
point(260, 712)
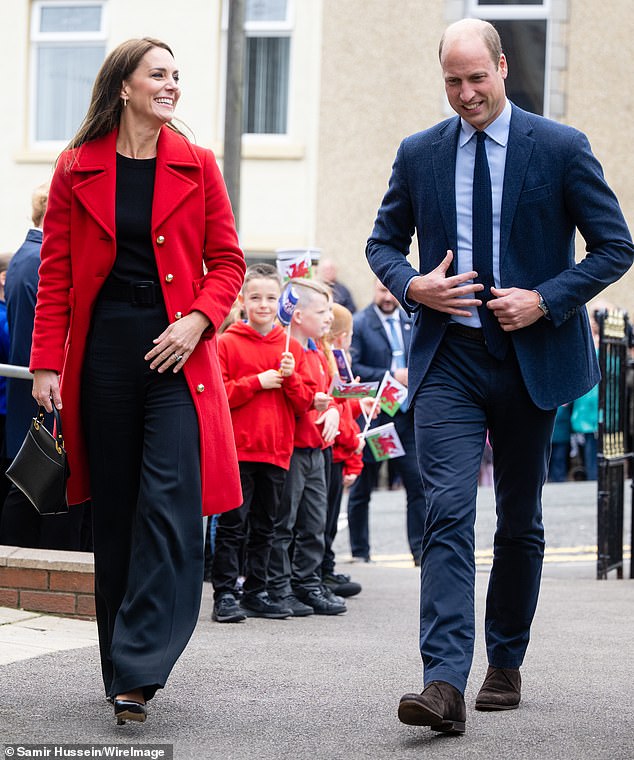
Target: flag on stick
point(339, 389)
point(294, 264)
point(384, 442)
point(343, 365)
point(393, 394)
point(369, 417)
point(285, 308)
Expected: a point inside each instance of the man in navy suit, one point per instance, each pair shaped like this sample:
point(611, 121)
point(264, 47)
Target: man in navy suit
point(380, 342)
point(500, 339)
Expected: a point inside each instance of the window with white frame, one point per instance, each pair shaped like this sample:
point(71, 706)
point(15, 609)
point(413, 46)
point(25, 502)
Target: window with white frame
point(267, 66)
point(524, 28)
point(68, 45)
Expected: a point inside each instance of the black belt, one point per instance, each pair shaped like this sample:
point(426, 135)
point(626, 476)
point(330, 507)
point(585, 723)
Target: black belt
point(140, 293)
point(464, 331)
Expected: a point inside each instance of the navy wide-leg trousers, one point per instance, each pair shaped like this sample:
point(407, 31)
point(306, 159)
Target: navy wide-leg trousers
point(465, 393)
point(143, 448)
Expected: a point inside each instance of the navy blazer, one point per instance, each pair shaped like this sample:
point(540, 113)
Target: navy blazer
point(553, 185)
point(371, 352)
point(20, 294)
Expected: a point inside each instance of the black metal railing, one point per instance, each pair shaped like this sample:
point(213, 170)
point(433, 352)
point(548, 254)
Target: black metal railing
point(615, 454)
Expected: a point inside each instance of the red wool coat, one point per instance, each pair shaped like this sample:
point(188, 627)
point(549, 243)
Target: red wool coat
point(191, 222)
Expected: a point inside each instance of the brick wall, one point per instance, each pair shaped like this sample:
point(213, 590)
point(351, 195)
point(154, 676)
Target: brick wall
point(43, 580)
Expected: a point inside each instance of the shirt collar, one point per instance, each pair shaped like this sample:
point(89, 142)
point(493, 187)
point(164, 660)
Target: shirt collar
point(498, 130)
point(311, 345)
point(384, 317)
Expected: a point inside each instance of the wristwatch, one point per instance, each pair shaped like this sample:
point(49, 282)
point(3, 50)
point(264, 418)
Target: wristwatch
point(542, 304)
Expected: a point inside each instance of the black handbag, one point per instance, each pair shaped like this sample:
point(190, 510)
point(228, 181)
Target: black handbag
point(40, 469)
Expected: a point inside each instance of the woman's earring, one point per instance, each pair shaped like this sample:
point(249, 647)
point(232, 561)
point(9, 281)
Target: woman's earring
point(125, 102)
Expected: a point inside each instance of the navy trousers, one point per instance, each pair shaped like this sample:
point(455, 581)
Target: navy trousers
point(143, 452)
point(466, 392)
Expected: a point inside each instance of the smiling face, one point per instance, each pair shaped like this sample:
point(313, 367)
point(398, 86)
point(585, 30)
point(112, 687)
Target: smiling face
point(474, 83)
point(152, 91)
point(260, 297)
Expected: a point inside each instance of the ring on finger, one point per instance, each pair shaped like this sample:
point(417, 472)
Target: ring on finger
point(177, 357)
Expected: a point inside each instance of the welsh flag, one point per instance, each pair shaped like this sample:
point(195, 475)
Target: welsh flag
point(295, 268)
point(384, 442)
point(391, 394)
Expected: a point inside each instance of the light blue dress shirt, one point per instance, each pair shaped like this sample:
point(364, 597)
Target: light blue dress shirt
point(497, 139)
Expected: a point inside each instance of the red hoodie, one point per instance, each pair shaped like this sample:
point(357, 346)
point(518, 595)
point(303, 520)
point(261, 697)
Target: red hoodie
point(263, 420)
point(347, 441)
point(316, 372)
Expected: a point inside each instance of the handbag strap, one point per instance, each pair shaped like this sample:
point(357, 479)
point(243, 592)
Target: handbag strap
point(39, 420)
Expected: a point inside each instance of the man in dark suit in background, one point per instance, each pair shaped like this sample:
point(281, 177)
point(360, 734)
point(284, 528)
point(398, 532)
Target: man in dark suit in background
point(380, 342)
point(500, 339)
point(20, 523)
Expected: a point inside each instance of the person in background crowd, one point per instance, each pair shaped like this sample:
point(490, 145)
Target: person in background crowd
point(381, 342)
point(347, 463)
point(327, 273)
point(266, 392)
point(559, 463)
point(140, 266)
point(298, 543)
point(584, 419)
point(5, 258)
point(21, 523)
point(500, 340)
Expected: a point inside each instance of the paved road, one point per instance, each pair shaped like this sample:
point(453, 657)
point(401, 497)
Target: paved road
point(323, 688)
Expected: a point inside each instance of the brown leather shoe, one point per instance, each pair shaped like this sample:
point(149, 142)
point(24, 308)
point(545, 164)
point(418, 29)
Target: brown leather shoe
point(501, 690)
point(441, 707)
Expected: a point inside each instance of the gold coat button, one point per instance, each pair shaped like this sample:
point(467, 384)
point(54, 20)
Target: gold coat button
point(169, 277)
point(178, 315)
point(160, 240)
point(200, 388)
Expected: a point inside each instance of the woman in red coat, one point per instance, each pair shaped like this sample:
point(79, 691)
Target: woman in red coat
point(140, 265)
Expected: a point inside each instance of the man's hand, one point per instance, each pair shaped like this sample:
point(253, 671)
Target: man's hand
point(401, 375)
point(448, 294)
point(515, 308)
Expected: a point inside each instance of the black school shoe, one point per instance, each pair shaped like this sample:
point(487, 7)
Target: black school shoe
point(226, 610)
point(341, 584)
point(261, 605)
point(320, 602)
point(297, 608)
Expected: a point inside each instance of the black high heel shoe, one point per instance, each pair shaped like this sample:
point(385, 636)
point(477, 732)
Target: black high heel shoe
point(126, 709)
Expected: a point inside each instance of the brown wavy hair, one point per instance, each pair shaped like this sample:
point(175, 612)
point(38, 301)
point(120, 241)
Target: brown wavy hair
point(104, 111)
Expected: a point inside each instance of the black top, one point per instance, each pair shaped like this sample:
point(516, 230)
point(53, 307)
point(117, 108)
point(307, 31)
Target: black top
point(133, 218)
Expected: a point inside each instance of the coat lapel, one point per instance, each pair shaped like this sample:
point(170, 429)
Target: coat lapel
point(444, 162)
point(518, 154)
point(95, 186)
point(177, 175)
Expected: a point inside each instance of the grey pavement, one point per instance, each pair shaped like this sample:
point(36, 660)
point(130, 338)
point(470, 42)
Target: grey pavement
point(324, 688)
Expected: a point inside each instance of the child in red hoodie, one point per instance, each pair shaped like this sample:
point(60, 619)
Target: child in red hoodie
point(298, 545)
point(347, 462)
point(266, 392)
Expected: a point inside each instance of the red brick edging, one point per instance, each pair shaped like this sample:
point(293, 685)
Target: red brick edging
point(43, 580)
